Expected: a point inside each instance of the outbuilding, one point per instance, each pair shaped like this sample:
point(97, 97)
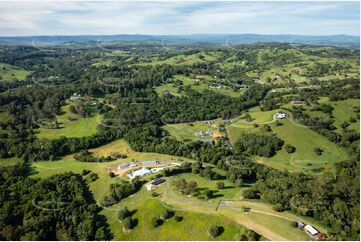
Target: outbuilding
point(311, 231)
point(150, 185)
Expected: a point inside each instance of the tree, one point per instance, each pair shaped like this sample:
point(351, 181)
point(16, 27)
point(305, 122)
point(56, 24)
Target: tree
point(214, 230)
point(249, 235)
point(128, 223)
point(155, 222)
point(166, 215)
point(220, 185)
point(344, 125)
point(196, 167)
point(191, 187)
point(352, 120)
point(250, 193)
point(124, 213)
point(278, 208)
point(208, 193)
point(318, 151)
point(266, 128)
point(290, 148)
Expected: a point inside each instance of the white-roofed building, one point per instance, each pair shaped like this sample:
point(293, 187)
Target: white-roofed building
point(311, 230)
point(139, 173)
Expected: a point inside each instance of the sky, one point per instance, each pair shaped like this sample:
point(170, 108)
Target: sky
point(178, 17)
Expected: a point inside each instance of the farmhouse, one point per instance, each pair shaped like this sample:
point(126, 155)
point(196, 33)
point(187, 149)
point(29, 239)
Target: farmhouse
point(152, 184)
point(281, 115)
point(75, 96)
point(139, 173)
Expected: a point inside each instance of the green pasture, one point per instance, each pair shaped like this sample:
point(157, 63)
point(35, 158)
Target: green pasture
point(229, 192)
point(81, 127)
point(190, 131)
point(343, 110)
point(10, 73)
point(194, 225)
point(305, 140)
point(295, 134)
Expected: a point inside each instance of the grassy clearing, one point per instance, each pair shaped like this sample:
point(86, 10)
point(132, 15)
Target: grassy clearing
point(239, 126)
point(305, 140)
point(10, 161)
point(229, 192)
point(81, 127)
point(190, 131)
point(343, 110)
point(198, 58)
point(4, 116)
point(204, 83)
point(10, 73)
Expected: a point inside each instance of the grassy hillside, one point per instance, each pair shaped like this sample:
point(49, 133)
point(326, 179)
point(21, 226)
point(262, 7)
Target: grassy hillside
point(299, 136)
point(10, 73)
point(81, 127)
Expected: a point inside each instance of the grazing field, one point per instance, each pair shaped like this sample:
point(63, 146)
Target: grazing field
point(11, 73)
point(229, 192)
point(193, 226)
point(81, 127)
point(261, 218)
point(297, 135)
point(305, 140)
point(190, 131)
point(344, 110)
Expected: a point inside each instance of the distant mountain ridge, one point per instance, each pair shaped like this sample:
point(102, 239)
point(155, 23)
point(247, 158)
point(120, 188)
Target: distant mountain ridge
point(339, 40)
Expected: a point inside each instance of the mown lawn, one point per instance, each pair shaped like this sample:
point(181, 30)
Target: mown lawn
point(81, 127)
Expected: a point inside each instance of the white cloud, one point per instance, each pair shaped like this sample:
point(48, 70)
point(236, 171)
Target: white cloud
point(82, 17)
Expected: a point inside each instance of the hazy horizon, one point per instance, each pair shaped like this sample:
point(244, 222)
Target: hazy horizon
point(43, 18)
